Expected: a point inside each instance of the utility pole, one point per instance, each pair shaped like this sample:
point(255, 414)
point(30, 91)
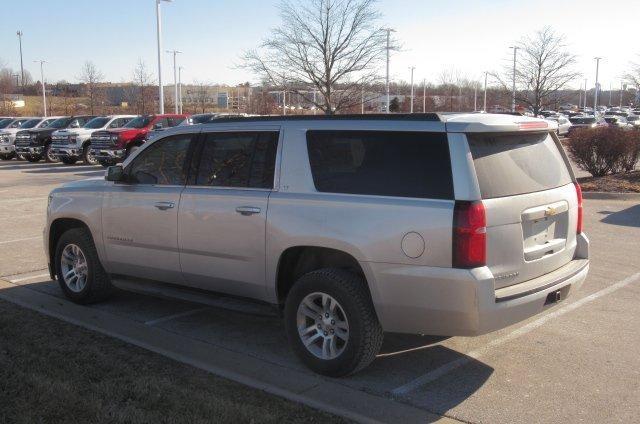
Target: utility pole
point(44, 94)
point(362, 100)
point(484, 107)
point(595, 96)
point(585, 93)
point(388, 48)
point(424, 96)
point(513, 89)
point(475, 97)
point(412, 68)
point(19, 34)
point(284, 102)
point(175, 78)
point(159, 36)
point(180, 68)
point(610, 93)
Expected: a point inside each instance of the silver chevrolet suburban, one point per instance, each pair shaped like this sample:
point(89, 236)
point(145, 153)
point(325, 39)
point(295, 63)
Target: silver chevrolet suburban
point(351, 225)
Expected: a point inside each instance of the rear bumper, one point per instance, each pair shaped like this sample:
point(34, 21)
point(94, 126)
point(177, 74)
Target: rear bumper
point(458, 302)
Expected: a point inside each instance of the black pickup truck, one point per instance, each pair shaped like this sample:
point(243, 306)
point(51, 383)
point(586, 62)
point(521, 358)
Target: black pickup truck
point(34, 144)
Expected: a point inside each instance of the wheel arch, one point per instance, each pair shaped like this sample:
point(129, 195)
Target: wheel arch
point(57, 228)
point(296, 261)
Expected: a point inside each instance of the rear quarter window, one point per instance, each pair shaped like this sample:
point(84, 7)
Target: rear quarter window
point(382, 163)
point(508, 165)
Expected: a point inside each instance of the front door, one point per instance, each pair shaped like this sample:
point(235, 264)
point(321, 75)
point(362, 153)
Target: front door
point(140, 216)
point(222, 216)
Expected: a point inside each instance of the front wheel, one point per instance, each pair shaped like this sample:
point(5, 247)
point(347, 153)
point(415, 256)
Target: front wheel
point(87, 157)
point(80, 273)
point(331, 322)
point(7, 156)
point(49, 156)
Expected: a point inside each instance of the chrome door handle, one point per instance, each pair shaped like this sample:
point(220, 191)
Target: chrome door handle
point(163, 206)
point(247, 210)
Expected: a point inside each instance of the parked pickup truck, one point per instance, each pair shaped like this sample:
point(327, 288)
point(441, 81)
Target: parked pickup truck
point(8, 134)
point(35, 144)
point(69, 144)
point(450, 225)
point(114, 145)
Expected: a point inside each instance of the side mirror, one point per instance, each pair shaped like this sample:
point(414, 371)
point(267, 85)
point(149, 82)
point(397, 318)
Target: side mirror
point(115, 173)
point(157, 126)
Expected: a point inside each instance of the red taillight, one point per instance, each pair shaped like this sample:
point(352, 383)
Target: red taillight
point(469, 235)
point(579, 195)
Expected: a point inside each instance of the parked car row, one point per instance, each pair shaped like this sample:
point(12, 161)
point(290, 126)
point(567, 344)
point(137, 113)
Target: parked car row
point(93, 139)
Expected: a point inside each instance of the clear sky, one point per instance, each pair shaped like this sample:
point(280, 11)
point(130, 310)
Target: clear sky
point(468, 35)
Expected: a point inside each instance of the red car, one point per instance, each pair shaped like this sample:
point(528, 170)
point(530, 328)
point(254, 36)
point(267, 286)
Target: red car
point(112, 146)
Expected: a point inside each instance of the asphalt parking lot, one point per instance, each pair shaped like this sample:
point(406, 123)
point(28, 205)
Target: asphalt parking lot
point(577, 362)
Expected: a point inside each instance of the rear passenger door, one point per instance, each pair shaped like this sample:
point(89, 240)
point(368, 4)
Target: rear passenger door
point(222, 215)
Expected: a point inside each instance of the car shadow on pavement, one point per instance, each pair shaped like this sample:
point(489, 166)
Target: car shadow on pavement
point(65, 169)
point(629, 217)
point(402, 359)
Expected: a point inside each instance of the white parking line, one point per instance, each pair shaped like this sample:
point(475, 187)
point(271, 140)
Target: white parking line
point(21, 199)
point(475, 354)
point(174, 316)
point(22, 239)
point(19, 280)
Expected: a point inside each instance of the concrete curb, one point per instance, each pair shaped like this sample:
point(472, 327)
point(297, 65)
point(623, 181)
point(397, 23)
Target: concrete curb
point(604, 195)
point(291, 384)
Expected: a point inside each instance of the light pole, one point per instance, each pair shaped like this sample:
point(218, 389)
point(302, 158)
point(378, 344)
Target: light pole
point(484, 107)
point(19, 34)
point(424, 96)
point(412, 68)
point(621, 90)
point(284, 102)
point(44, 94)
point(475, 97)
point(180, 68)
point(388, 48)
point(595, 96)
point(362, 100)
point(610, 93)
point(159, 36)
point(175, 78)
point(513, 88)
point(585, 94)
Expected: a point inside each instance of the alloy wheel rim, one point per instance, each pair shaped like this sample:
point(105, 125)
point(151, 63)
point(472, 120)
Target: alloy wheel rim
point(75, 269)
point(322, 326)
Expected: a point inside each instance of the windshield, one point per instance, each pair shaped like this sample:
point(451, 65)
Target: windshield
point(5, 122)
point(59, 123)
point(139, 122)
point(17, 123)
point(98, 122)
point(30, 123)
point(48, 122)
point(583, 120)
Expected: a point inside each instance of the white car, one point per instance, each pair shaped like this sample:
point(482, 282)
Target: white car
point(71, 144)
point(563, 124)
point(8, 134)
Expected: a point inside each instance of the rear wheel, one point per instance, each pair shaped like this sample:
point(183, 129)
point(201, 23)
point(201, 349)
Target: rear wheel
point(331, 322)
point(87, 157)
point(78, 268)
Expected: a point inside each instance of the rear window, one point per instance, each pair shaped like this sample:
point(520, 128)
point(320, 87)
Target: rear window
point(382, 163)
point(508, 165)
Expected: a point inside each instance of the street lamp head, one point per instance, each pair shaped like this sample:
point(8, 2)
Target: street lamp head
point(19, 33)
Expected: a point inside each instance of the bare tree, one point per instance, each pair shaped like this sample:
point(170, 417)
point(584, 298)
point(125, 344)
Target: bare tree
point(544, 67)
point(333, 47)
point(143, 79)
point(91, 77)
point(633, 76)
point(201, 94)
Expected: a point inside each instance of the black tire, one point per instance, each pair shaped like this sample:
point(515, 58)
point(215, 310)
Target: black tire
point(7, 156)
point(105, 164)
point(33, 158)
point(98, 286)
point(131, 150)
point(48, 157)
point(69, 161)
point(365, 332)
point(87, 157)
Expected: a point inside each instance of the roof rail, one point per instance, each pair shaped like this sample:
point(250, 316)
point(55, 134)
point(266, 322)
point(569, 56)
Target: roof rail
point(370, 117)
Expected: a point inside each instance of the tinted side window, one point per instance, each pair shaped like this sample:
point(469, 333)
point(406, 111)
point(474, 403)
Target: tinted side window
point(162, 163)
point(383, 163)
point(174, 121)
point(242, 159)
